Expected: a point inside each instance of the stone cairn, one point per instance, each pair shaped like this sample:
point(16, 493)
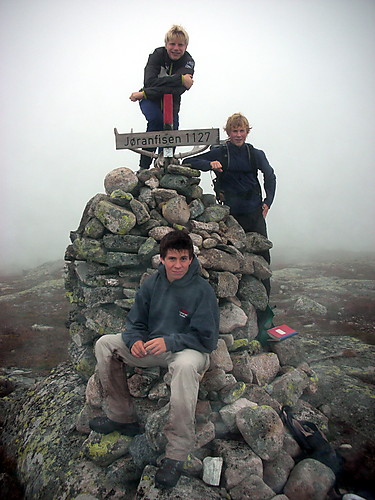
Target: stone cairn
point(242, 448)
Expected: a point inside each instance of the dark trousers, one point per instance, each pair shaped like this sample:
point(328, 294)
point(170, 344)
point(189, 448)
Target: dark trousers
point(155, 122)
point(254, 222)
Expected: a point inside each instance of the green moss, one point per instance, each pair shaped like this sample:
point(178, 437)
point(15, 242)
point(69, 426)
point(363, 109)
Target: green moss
point(120, 194)
point(254, 347)
point(103, 447)
point(74, 298)
point(88, 249)
point(239, 343)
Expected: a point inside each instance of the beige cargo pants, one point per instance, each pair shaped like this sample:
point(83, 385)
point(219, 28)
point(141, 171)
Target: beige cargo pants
point(186, 369)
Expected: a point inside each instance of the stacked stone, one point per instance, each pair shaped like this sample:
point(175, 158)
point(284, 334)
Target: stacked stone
point(116, 247)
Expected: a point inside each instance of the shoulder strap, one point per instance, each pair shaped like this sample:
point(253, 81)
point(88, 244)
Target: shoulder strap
point(250, 151)
point(224, 157)
point(252, 158)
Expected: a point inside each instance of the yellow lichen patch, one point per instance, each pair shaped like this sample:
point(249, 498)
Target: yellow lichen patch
point(104, 446)
point(237, 393)
point(238, 343)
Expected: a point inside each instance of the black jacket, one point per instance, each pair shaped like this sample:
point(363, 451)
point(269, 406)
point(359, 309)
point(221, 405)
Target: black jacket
point(164, 76)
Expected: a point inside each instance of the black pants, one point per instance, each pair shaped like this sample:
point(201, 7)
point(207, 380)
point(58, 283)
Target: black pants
point(254, 222)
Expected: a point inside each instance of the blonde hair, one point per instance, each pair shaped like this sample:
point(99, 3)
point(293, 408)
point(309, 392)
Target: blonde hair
point(176, 31)
point(235, 121)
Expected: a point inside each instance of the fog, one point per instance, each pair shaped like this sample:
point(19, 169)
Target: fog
point(303, 73)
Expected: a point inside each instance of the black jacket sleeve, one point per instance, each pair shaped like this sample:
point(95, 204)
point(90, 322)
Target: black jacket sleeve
point(269, 177)
point(156, 92)
point(202, 161)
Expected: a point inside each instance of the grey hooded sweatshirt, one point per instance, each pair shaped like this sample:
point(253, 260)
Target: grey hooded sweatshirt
point(184, 312)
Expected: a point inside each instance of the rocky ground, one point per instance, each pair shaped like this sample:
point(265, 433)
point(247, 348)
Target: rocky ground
point(346, 287)
point(33, 311)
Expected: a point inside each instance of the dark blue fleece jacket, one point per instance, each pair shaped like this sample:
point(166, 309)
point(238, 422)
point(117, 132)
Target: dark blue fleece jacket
point(184, 312)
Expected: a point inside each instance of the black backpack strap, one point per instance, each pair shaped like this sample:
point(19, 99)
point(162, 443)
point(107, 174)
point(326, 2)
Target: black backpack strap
point(224, 160)
point(252, 159)
point(217, 180)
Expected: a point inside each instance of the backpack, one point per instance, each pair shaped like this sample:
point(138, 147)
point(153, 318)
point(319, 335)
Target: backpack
point(312, 441)
point(218, 181)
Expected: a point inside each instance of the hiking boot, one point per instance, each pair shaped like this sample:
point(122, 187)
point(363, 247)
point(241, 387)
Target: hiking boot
point(168, 474)
point(104, 425)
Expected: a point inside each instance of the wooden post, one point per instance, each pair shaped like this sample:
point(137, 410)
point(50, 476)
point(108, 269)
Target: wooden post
point(167, 125)
point(168, 111)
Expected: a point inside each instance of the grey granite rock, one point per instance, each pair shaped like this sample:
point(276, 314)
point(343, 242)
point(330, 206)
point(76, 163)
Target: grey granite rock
point(116, 219)
point(176, 210)
point(264, 367)
point(309, 480)
point(262, 429)
point(239, 461)
point(120, 178)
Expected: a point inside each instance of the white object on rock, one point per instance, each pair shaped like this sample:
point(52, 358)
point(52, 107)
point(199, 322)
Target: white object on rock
point(352, 496)
point(212, 470)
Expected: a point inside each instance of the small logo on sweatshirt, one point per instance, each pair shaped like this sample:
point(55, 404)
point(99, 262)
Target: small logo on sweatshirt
point(183, 313)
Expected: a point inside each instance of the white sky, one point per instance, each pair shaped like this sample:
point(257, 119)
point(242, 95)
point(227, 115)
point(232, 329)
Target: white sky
point(302, 71)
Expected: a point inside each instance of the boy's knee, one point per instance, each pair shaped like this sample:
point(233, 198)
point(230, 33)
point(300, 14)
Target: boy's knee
point(103, 344)
point(185, 367)
point(185, 364)
point(99, 343)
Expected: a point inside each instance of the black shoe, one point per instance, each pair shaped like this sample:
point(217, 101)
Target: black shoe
point(168, 474)
point(103, 425)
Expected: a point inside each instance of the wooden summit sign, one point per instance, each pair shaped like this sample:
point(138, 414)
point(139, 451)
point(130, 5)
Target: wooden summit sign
point(167, 138)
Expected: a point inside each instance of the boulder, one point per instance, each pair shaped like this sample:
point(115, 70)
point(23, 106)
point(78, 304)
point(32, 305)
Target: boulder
point(239, 461)
point(262, 429)
point(231, 316)
point(264, 367)
point(116, 219)
point(252, 487)
point(120, 178)
point(228, 412)
point(309, 480)
point(176, 210)
point(288, 388)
